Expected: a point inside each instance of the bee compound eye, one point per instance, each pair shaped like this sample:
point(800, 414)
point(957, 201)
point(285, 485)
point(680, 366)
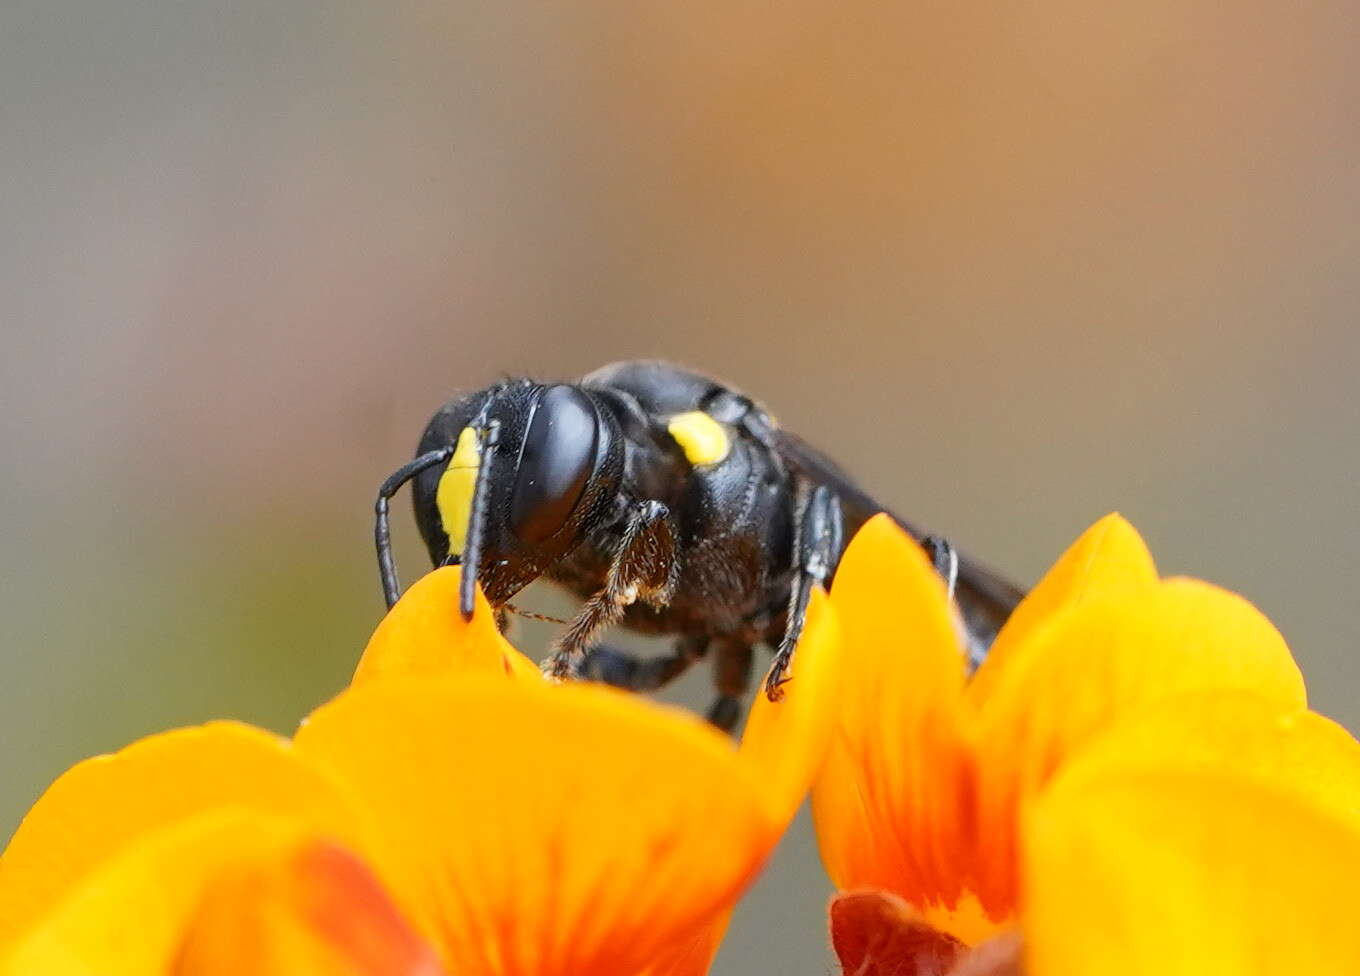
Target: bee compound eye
point(555, 464)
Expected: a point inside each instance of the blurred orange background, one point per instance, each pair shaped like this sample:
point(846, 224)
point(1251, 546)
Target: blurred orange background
point(1016, 265)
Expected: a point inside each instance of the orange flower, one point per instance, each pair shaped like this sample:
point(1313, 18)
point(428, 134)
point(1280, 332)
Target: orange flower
point(1218, 832)
point(1131, 783)
point(928, 773)
point(450, 812)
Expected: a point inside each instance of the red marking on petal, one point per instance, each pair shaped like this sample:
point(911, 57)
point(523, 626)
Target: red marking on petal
point(876, 933)
point(307, 908)
point(347, 907)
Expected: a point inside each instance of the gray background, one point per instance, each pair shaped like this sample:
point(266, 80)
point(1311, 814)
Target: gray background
point(1015, 264)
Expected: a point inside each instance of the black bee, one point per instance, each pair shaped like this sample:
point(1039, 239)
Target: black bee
point(669, 502)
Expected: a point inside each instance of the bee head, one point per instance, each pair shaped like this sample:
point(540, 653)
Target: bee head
point(534, 468)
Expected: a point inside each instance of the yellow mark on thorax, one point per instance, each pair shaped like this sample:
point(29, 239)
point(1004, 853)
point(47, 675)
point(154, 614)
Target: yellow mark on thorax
point(702, 438)
point(454, 495)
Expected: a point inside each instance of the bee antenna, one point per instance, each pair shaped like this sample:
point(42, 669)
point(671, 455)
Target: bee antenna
point(488, 436)
point(382, 531)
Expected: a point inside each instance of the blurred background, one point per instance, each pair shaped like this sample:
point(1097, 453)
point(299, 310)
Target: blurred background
point(1016, 265)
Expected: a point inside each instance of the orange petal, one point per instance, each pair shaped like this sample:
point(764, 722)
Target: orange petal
point(128, 916)
point(876, 933)
point(426, 634)
point(1185, 873)
point(853, 855)
point(103, 804)
point(546, 831)
point(224, 892)
point(1100, 662)
point(692, 955)
point(785, 743)
point(1108, 558)
point(890, 802)
point(314, 909)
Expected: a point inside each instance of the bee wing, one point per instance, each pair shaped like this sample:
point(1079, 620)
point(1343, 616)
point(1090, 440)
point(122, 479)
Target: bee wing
point(985, 597)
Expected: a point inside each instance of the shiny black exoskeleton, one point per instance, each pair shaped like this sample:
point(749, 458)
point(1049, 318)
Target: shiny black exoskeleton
point(669, 502)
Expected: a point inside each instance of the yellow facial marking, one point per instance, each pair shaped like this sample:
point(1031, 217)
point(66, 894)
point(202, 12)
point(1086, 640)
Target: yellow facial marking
point(700, 436)
point(454, 495)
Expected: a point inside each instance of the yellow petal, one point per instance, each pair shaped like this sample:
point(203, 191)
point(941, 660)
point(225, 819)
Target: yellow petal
point(102, 804)
point(890, 801)
point(426, 634)
point(1275, 757)
point(1285, 746)
point(1186, 873)
point(128, 916)
point(546, 831)
point(1108, 558)
point(313, 910)
point(1100, 662)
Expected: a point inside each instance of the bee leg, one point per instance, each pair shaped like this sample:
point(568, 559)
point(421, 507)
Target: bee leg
point(644, 568)
point(731, 676)
point(818, 540)
point(946, 561)
point(624, 670)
